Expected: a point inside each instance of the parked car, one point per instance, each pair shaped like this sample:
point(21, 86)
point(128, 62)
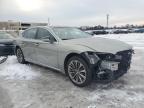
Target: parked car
point(121, 31)
point(139, 30)
point(100, 32)
point(90, 32)
point(6, 46)
point(79, 55)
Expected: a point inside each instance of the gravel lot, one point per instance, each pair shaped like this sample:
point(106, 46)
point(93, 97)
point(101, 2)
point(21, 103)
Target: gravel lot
point(32, 86)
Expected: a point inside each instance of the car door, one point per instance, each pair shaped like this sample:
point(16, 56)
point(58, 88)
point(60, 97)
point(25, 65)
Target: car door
point(28, 45)
point(47, 52)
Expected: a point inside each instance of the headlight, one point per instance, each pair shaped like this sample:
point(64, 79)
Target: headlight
point(106, 56)
point(93, 58)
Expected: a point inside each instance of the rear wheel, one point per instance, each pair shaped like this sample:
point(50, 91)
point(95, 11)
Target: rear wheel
point(78, 71)
point(20, 56)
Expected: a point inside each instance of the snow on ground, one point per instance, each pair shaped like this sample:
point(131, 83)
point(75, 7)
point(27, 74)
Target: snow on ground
point(32, 86)
point(12, 70)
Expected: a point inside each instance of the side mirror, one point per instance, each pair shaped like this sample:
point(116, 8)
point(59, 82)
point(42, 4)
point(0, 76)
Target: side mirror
point(46, 40)
point(92, 34)
point(52, 39)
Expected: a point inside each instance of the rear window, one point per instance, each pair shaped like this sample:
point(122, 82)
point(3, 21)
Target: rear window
point(30, 33)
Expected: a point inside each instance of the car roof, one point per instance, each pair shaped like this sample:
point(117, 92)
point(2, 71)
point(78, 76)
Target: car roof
point(51, 27)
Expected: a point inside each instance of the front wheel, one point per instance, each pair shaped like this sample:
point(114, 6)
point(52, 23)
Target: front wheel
point(78, 71)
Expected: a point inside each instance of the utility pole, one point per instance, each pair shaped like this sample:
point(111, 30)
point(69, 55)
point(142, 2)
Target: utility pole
point(48, 24)
point(107, 17)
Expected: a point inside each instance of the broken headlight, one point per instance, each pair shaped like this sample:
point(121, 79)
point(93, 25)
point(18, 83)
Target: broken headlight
point(106, 56)
point(92, 57)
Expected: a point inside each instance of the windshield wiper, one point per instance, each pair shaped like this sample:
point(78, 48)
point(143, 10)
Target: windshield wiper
point(67, 38)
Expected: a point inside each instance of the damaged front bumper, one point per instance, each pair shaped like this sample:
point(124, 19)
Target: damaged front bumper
point(108, 66)
point(110, 70)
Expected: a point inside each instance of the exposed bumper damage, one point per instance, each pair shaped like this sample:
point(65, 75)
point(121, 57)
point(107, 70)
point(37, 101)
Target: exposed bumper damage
point(107, 66)
point(110, 65)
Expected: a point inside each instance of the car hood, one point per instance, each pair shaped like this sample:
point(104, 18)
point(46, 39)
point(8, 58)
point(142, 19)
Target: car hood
point(100, 44)
point(6, 41)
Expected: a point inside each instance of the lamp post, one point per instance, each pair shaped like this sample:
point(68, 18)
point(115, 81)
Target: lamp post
point(107, 17)
point(48, 24)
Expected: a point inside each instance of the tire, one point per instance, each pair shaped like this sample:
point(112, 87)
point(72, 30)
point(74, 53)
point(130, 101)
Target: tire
point(78, 71)
point(20, 56)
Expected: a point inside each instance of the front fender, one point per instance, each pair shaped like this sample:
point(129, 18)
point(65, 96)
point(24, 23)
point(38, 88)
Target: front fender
point(65, 50)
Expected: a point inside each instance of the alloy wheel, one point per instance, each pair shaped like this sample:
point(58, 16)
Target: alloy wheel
point(77, 72)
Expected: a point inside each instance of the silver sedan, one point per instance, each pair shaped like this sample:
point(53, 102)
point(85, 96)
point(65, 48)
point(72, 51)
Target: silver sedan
point(80, 56)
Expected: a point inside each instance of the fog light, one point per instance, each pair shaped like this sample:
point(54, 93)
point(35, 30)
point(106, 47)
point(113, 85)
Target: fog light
point(111, 65)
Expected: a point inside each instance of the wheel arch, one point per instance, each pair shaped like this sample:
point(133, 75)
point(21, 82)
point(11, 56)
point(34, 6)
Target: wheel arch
point(71, 55)
point(16, 47)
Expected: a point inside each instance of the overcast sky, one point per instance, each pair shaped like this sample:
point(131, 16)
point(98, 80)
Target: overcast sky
point(73, 12)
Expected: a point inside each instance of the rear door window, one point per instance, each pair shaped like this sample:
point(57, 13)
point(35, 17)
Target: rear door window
point(30, 33)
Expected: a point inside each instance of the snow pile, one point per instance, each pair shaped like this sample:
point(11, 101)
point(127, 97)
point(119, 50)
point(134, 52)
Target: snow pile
point(11, 69)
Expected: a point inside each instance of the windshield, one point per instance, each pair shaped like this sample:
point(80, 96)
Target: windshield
point(66, 33)
point(4, 35)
